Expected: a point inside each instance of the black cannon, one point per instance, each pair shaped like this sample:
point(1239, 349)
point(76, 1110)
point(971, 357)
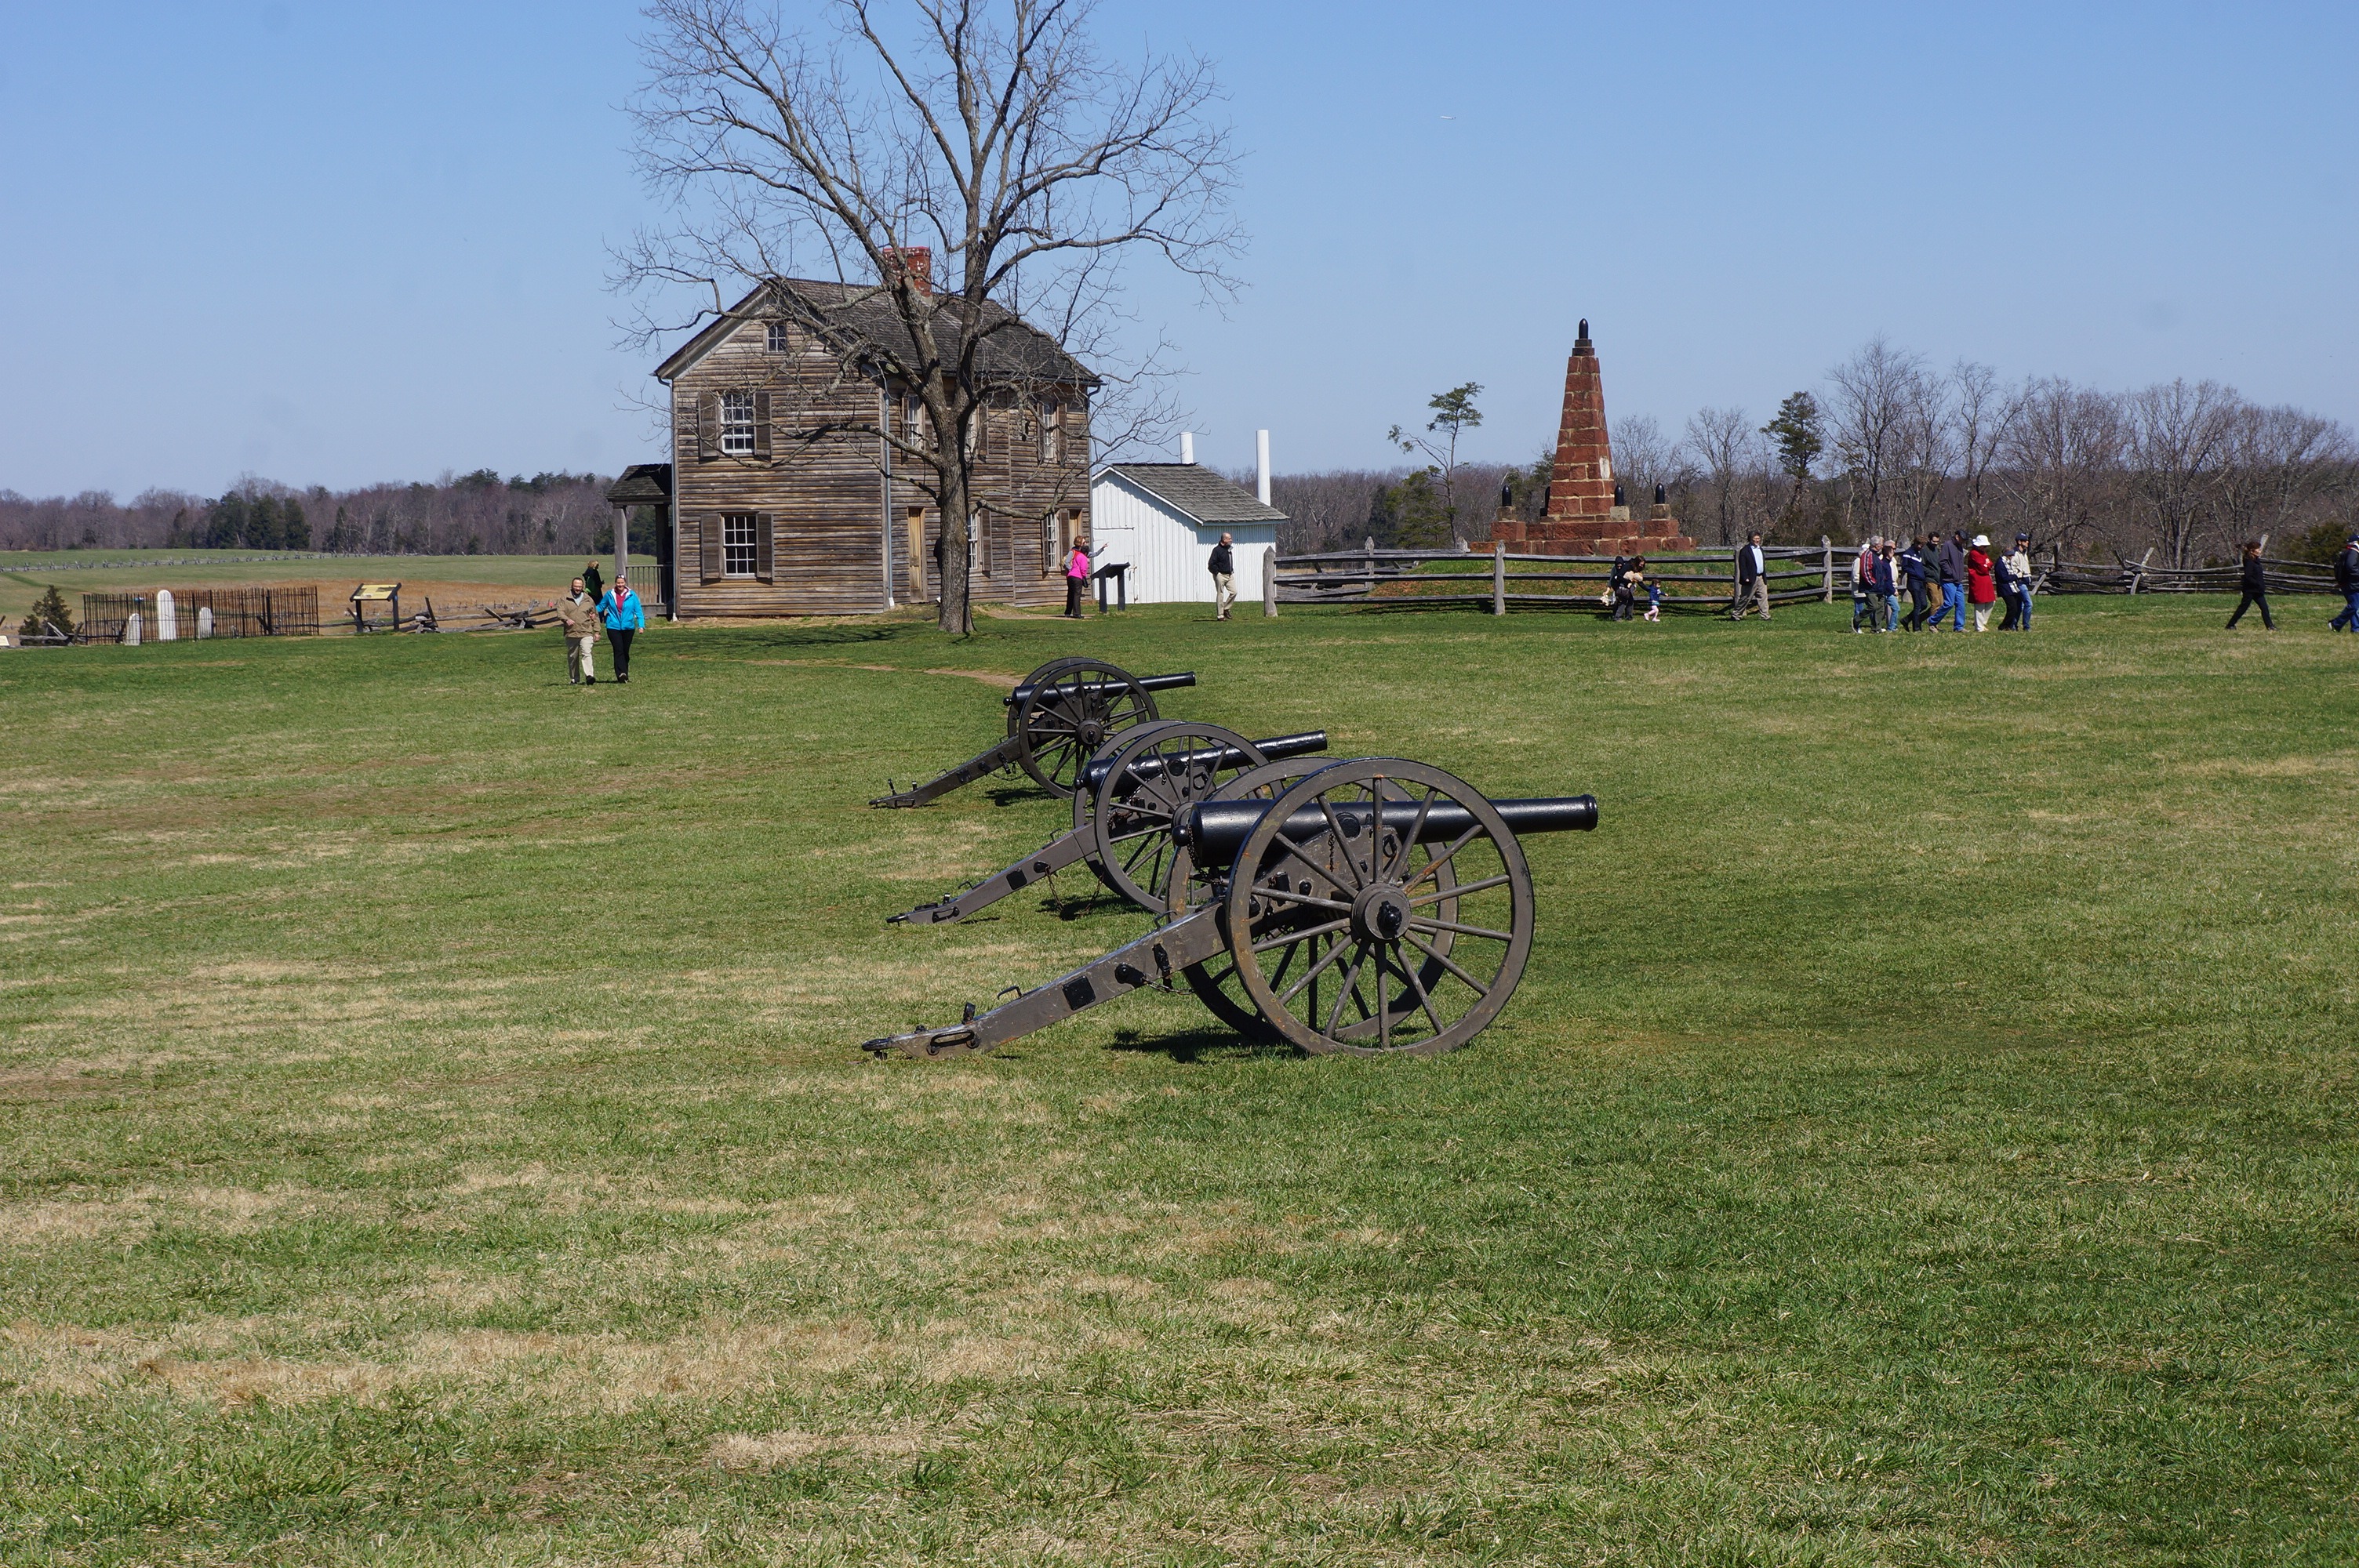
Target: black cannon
point(1058, 717)
point(1130, 795)
point(1369, 906)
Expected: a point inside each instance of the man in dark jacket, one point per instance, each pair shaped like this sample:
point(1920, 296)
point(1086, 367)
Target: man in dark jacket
point(2346, 583)
point(594, 582)
point(1912, 571)
point(1953, 570)
point(1752, 579)
point(2010, 593)
point(1223, 564)
point(2254, 582)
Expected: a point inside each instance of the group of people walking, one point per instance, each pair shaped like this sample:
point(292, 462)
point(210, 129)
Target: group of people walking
point(1965, 574)
point(1942, 578)
point(591, 611)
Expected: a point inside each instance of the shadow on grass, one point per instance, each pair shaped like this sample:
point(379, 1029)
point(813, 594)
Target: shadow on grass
point(1209, 1043)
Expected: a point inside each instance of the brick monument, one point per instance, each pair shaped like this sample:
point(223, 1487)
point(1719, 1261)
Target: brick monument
point(1586, 515)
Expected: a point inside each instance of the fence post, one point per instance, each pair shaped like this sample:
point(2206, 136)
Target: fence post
point(1827, 565)
point(1371, 566)
point(1269, 582)
point(1498, 577)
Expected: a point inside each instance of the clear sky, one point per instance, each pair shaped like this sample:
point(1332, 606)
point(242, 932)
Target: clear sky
point(338, 243)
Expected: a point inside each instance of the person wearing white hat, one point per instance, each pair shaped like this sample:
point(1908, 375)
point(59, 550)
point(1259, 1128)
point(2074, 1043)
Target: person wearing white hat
point(1981, 587)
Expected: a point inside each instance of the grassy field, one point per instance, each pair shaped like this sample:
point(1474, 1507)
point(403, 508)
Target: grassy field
point(1925, 1135)
point(448, 580)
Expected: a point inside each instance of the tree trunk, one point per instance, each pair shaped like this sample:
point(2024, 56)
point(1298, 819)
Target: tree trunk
point(956, 614)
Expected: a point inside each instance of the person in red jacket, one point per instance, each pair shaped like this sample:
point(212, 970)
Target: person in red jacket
point(1982, 588)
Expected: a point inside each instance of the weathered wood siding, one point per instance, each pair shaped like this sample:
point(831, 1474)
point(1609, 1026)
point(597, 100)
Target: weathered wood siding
point(838, 525)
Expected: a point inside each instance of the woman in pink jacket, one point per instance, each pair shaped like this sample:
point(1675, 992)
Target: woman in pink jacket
point(1077, 578)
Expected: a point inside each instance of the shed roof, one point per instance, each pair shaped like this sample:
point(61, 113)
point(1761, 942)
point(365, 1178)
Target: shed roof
point(858, 322)
point(1197, 492)
point(642, 484)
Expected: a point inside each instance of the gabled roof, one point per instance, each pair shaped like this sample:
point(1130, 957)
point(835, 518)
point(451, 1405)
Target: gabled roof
point(858, 321)
point(1196, 493)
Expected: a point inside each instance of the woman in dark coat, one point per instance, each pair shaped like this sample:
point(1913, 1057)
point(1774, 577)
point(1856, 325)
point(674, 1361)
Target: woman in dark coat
point(2256, 584)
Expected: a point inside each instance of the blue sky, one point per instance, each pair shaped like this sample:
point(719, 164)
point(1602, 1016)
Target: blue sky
point(340, 243)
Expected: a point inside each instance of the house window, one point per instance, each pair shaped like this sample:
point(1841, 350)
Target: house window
point(737, 426)
point(1052, 545)
point(916, 424)
point(779, 343)
point(1052, 433)
point(978, 556)
point(737, 543)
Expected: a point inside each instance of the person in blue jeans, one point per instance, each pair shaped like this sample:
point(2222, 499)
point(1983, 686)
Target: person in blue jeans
point(623, 619)
point(1953, 583)
point(2346, 583)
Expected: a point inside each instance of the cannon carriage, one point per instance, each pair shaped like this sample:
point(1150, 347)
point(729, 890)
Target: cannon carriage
point(1373, 906)
point(1130, 793)
point(1058, 718)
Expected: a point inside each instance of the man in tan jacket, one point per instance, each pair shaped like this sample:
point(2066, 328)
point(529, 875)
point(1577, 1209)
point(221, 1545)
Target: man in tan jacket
point(578, 617)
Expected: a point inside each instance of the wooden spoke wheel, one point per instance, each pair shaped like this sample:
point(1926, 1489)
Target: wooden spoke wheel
point(1155, 771)
point(1188, 888)
point(1355, 929)
point(1078, 707)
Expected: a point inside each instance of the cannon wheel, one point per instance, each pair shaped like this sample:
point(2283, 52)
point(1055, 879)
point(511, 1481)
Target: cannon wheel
point(1186, 889)
point(1336, 933)
point(1047, 672)
point(1072, 712)
point(1150, 781)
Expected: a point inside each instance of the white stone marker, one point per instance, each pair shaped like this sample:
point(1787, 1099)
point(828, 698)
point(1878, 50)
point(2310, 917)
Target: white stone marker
point(204, 619)
point(131, 630)
point(167, 623)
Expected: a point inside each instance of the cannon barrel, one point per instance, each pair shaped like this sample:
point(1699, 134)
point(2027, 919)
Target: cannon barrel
point(1224, 757)
point(1215, 830)
point(1152, 682)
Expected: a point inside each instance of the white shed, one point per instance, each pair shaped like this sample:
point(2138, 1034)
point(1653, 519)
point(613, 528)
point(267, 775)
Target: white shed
point(1165, 518)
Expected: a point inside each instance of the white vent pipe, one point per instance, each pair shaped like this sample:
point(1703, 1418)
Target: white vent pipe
point(1261, 465)
point(1187, 446)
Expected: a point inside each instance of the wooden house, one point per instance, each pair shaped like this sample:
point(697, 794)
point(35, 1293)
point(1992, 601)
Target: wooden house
point(785, 499)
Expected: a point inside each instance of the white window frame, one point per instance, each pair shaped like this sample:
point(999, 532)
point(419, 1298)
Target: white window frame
point(1052, 432)
point(779, 338)
point(737, 424)
point(740, 555)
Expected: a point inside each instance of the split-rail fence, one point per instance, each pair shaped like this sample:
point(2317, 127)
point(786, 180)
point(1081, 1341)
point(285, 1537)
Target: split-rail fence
point(1696, 582)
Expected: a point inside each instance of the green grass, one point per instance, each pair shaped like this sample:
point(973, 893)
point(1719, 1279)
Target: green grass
point(24, 575)
point(435, 1132)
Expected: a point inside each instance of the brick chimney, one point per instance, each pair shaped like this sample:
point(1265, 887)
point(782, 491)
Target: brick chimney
point(919, 260)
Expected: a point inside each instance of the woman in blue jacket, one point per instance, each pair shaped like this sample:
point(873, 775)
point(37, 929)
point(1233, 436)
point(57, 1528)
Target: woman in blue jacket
point(623, 617)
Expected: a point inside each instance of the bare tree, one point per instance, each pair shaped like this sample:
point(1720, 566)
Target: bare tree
point(2280, 459)
point(1728, 449)
point(988, 131)
point(2062, 453)
point(1875, 395)
point(2178, 442)
point(1925, 451)
point(1981, 413)
point(1643, 455)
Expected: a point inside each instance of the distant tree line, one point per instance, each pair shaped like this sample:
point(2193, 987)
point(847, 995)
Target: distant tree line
point(1888, 445)
point(473, 513)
